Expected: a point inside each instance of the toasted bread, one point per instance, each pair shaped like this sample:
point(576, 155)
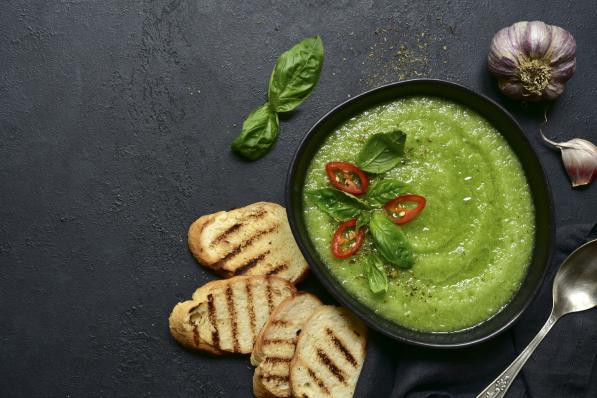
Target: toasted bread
point(329, 355)
point(274, 347)
point(252, 240)
point(226, 316)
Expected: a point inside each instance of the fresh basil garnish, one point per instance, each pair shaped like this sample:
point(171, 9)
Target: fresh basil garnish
point(376, 274)
point(382, 152)
point(363, 219)
point(383, 191)
point(295, 75)
point(259, 133)
point(390, 241)
point(337, 204)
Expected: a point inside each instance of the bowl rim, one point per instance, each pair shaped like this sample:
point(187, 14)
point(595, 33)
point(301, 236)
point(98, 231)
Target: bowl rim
point(339, 293)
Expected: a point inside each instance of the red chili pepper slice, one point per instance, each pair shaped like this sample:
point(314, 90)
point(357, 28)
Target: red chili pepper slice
point(347, 177)
point(347, 240)
point(402, 215)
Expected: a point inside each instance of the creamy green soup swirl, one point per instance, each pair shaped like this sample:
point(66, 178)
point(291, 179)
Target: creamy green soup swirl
point(472, 243)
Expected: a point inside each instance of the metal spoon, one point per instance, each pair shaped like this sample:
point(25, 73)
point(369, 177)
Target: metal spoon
point(574, 289)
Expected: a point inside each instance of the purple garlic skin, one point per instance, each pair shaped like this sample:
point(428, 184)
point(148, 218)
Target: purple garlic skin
point(532, 61)
point(580, 159)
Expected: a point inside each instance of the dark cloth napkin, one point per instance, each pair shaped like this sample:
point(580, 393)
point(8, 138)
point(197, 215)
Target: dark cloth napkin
point(564, 365)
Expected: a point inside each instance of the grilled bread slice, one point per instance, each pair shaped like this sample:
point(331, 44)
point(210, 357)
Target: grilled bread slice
point(275, 345)
point(225, 316)
point(329, 355)
point(252, 240)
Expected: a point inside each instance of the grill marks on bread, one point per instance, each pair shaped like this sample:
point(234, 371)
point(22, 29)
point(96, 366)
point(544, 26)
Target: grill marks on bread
point(224, 234)
point(211, 308)
point(330, 365)
point(221, 263)
point(227, 315)
point(233, 318)
point(270, 300)
point(275, 345)
point(279, 322)
point(251, 263)
point(252, 240)
point(341, 347)
point(278, 360)
point(251, 311)
point(317, 381)
point(328, 349)
point(278, 342)
point(277, 269)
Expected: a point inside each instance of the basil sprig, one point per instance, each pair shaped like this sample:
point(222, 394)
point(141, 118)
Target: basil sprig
point(293, 79)
point(376, 274)
point(295, 75)
point(382, 152)
point(339, 205)
point(390, 241)
point(259, 133)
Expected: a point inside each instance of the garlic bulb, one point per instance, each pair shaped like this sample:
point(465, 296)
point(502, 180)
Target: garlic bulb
point(532, 60)
point(580, 159)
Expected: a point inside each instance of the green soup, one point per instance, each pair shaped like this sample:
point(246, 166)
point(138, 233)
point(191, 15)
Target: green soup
point(472, 243)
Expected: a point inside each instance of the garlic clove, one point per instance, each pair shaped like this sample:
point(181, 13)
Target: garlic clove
point(563, 70)
point(563, 46)
point(536, 39)
point(511, 88)
point(503, 57)
point(580, 159)
point(553, 90)
point(516, 34)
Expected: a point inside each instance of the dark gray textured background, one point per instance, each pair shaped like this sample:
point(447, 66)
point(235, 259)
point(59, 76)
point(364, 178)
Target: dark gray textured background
point(115, 122)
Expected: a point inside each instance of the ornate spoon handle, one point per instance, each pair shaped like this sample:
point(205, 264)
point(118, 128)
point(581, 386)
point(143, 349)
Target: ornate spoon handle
point(498, 387)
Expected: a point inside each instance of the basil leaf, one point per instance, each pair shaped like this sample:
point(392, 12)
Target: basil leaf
point(363, 204)
point(390, 241)
point(382, 152)
point(363, 219)
point(295, 75)
point(335, 203)
point(376, 275)
point(258, 135)
point(383, 191)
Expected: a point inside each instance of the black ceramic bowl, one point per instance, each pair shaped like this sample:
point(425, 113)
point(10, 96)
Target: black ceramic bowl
point(508, 127)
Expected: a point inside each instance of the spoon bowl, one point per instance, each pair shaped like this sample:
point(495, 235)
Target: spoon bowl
point(574, 290)
point(575, 284)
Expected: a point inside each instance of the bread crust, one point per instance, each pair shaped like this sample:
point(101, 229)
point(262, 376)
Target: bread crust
point(275, 344)
point(340, 378)
point(182, 330)
point(211, 321)
point(251, 240)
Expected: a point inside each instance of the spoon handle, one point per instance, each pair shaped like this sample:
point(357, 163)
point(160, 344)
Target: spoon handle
point(500, 385)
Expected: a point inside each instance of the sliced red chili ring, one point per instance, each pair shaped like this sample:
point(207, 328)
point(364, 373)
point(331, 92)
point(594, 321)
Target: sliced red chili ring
point(402, 215)
point(347, 240)
point(347, 177)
